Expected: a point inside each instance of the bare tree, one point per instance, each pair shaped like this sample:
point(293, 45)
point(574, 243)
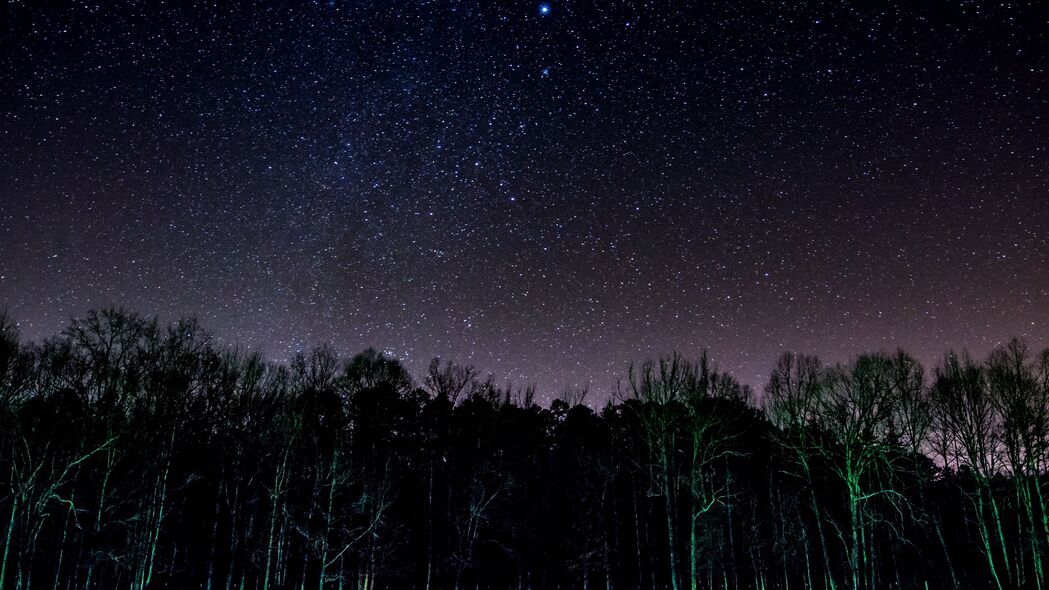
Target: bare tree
point(794, 399)
point(859, 408)
point(971, 436)
point(1022, 402)
point(451, 380)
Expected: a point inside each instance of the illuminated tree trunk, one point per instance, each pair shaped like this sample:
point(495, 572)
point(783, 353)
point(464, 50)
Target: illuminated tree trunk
point(985, 536)
point(276, 494)
point(668, 506)
point(946, 553)
point(828, 574)
point(1043, 515)
point(328, 519)
point(693, 554)
point(1001, 533)
point(10, 528)
point(1024, 500)
point(156, 515)
point(731, 536)
point(808, 559)
point(854, 534)
point(61, 546)
point(868, 553)
point(102, 497)
point(281, 565)
point(701, 502)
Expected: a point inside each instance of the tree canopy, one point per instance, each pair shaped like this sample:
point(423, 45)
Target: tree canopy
point(140, 455)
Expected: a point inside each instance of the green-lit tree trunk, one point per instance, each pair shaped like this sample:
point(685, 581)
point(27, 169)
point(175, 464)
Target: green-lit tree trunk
point(1043, 514)
point(276, 495)
point(1025, 501)
point(155, 515)
point(668, 508)
point(1002, 542)
point(61, 546)
point(102, 497)
point(693, 554)
point(7, 537)
point(854, 536)
point(985, 536)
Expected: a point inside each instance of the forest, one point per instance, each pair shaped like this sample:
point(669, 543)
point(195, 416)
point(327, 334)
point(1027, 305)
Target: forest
point(135, 454)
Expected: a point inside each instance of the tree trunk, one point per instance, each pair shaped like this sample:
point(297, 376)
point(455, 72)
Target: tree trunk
point(7, 537)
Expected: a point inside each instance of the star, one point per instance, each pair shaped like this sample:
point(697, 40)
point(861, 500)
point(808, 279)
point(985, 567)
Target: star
point(312, 180)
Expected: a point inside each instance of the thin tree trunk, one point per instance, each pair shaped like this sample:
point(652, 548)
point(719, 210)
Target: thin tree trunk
point(998, 525)
point(278, 483)
point(61, 548)
point(985, 536)
point(214, 534)
point(7, 537)
point(429, 528)
point(668, 505)
point(946, 553)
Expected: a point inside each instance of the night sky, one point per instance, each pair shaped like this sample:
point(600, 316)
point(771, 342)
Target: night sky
point(547, 191)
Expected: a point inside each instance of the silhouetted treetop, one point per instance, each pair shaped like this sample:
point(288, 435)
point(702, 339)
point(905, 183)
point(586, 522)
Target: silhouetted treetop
point(141, 455)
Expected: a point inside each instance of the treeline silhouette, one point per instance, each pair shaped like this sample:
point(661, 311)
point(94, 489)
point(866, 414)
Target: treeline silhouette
point(136, 455)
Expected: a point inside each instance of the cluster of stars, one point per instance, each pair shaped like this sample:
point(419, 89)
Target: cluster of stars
point(547, 191)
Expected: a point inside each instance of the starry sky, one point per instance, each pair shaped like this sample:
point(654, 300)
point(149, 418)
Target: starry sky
point(547, 191)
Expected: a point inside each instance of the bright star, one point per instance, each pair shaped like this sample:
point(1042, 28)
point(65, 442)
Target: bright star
point(544, 9)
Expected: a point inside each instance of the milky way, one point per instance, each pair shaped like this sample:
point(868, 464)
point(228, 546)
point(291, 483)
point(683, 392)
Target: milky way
point(548, 191)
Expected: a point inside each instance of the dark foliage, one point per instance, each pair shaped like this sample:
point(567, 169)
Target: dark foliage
point(134, 455)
